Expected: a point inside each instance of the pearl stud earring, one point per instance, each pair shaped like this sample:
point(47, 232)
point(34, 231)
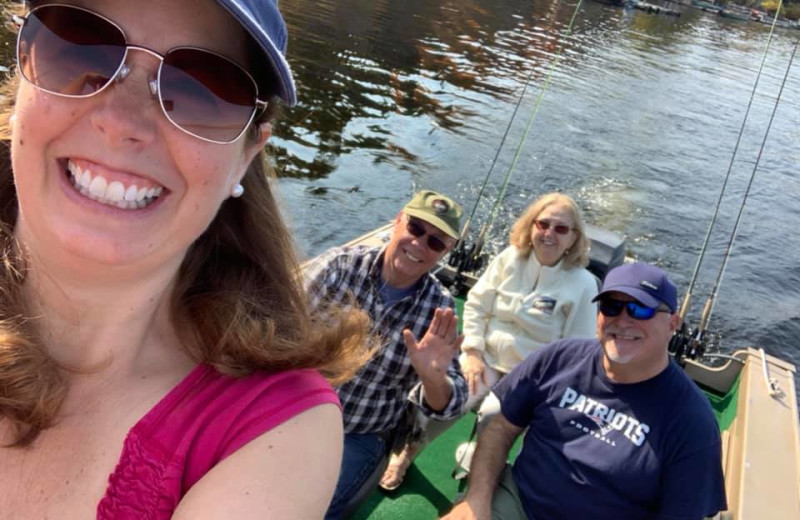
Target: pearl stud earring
point(237, 191)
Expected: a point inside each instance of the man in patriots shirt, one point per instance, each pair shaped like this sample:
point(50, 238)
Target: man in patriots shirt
point(615, 428)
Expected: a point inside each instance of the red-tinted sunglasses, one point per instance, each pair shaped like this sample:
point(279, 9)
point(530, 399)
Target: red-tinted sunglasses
point(416, 228)
point(544, 225)
point(74, 52)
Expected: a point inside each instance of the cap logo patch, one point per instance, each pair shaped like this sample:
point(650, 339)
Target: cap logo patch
point(649, 285)
point(440, 206)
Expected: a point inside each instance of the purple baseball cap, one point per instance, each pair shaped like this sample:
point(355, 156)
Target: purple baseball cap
point(264, 23)
point(644, 282)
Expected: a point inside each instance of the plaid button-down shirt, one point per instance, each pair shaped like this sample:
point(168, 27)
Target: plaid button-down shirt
point(374, 401)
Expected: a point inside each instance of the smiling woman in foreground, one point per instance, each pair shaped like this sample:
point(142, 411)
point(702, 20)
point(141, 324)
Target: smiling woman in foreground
point(156, 354)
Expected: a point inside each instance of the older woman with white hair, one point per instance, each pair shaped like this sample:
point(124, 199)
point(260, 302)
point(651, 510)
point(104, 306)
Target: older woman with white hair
point(536, 291)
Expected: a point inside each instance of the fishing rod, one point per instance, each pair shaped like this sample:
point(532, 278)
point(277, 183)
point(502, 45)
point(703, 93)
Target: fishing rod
point(709, 307)
point(687, 298)
point(467, 224)
point(470, 258)
point(692, 345)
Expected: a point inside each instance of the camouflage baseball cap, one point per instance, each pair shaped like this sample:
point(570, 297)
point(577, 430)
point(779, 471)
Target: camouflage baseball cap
point(437, 210)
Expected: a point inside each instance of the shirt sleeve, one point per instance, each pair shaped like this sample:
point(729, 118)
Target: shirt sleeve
point(480, 304)
point(221, 414)
point(457, 399)
point(582, 319)
point(294, 393)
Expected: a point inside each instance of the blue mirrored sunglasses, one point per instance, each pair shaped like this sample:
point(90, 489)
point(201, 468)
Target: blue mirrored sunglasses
point(612, 307)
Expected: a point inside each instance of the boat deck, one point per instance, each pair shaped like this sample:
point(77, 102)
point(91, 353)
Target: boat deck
point(762, 444)
point(760, 436)
point(761, 450)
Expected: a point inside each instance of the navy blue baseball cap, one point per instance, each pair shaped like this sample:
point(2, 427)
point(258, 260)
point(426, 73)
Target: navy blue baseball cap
point(644, 282)
point(264, 23)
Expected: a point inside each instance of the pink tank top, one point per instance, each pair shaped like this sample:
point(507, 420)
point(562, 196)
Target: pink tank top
point(205, 418)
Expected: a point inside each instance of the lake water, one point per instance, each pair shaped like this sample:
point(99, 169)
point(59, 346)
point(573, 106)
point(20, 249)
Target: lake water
point(639, 124)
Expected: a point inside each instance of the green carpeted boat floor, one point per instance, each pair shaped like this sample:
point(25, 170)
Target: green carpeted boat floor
point(428, 490)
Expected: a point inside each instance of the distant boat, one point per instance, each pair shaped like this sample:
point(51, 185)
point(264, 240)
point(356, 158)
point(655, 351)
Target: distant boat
point(706, 6)
point(651, 8)
point(615, 3)
point(642, 6)
point(736, 12)
point(757, 15)
point(780, 23)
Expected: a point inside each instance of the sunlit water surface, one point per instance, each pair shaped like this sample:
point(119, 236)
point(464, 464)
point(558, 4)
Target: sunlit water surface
point(639, 124)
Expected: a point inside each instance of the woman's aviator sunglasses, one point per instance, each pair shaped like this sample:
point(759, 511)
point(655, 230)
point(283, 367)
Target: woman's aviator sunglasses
point(73, 52)
point(416, 228)
point(544, 225)
point(612, 307)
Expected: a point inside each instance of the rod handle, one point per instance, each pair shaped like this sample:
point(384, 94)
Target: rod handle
point(706, 315)
point(685, 306)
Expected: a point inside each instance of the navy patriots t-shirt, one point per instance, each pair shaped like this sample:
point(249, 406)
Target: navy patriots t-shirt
point(604, 450)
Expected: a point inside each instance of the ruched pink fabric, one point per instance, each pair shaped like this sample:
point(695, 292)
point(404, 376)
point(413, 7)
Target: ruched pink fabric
point(205, 418)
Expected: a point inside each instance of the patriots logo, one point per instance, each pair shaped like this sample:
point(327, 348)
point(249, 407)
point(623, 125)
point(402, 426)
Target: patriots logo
point(603, 425)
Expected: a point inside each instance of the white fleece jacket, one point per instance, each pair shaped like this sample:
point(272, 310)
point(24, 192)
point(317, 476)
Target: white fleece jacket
point(519, 305)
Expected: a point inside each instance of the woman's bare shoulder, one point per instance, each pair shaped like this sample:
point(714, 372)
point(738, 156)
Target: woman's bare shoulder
point(287, 472)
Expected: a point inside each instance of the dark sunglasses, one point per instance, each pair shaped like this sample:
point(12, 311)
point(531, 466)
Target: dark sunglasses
point(73, 52)
point(416, 228)
point(612, 307)
point(544, 225)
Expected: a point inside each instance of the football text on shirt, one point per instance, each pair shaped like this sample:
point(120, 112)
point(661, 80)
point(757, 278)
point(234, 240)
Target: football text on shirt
point(607, 418)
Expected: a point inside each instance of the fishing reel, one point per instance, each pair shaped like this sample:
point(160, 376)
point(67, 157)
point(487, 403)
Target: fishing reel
point(467, 258)
point(686, 343)
point(458, 286)
point(464, 259)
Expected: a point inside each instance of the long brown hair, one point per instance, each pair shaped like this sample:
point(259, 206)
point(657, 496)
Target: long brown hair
point(238, 302)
